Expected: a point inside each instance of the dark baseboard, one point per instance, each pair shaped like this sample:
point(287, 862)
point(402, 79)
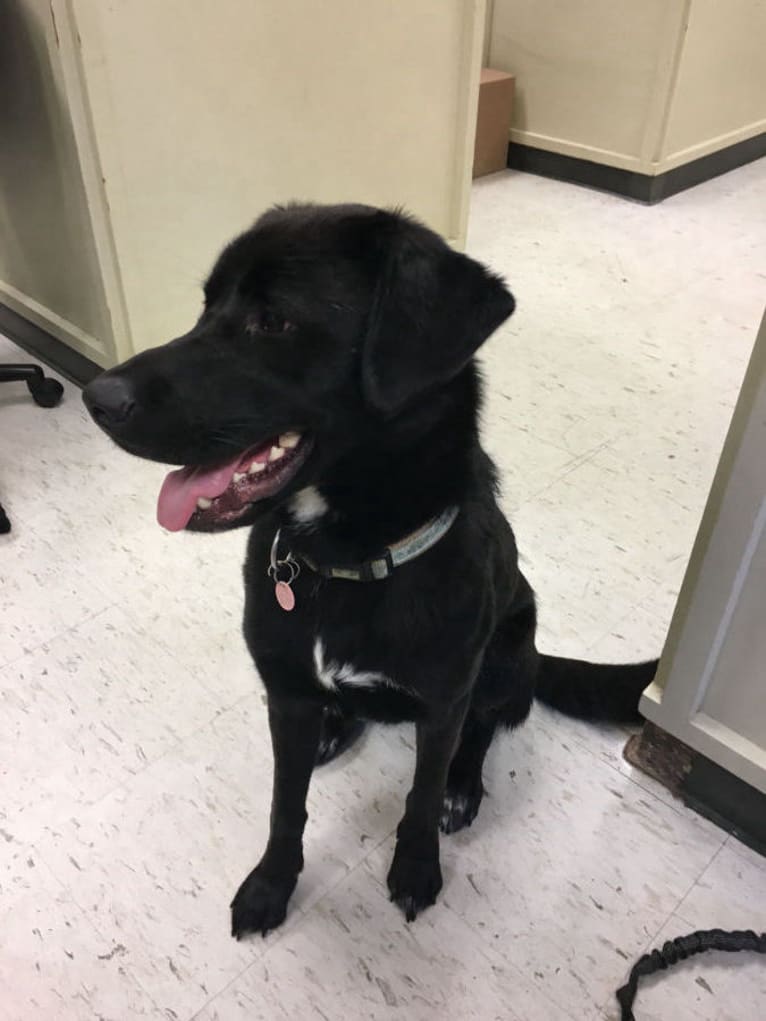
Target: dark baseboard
point(727, 801)
point(642, 187)
point(45, 348)
point(703, 785)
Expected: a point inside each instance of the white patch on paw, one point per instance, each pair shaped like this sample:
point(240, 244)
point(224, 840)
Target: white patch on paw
point(455, 803)
point(307, 506)
point(331, 674)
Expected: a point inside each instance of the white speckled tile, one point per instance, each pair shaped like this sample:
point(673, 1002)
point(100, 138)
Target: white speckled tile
point(354, 956)
point(53, 964)
point(194, 608)
point(69, 455)
point(370, 783)
point(639, 543)
point(117, 540)
point(607, 743)
point(640, 635)
point(585, 580)
point(529, 465)
point(52, 461)
point(59, 461)
point(749, 855)
point(186, 590)
point(87, 712)
point(535, 391)
point(156, 862)
point(84, 535)
point(570, 867)
point(601, 564)
point(637, 636)
point(42, 592)
point(741, 872)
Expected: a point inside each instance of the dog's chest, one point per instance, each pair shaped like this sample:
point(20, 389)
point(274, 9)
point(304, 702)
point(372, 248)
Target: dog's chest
point(335, 674)
point(366, 692)
point(336, 642)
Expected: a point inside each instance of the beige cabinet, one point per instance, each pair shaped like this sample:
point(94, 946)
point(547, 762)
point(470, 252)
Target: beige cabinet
point(644, 86)
point(186, 119)
point(710, 689)
point(49, 261)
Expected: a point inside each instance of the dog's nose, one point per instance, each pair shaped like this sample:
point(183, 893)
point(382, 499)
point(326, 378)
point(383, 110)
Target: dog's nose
point(110, 400)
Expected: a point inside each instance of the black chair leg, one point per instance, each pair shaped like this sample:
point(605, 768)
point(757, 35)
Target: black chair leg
point(45, 392)
point(5, 525)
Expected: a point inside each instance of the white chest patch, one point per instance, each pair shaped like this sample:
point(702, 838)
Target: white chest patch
point(307, 506)
point(332, 675)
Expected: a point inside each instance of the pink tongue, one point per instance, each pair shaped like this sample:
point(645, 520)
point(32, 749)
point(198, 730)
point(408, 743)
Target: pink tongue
point(181, 488)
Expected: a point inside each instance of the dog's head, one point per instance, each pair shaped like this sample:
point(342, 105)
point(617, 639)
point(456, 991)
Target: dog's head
point(321, 325)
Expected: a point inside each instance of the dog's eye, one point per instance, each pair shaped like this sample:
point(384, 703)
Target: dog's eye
point(267, 321)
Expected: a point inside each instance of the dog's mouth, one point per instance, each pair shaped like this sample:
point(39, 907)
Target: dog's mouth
point(210, 498)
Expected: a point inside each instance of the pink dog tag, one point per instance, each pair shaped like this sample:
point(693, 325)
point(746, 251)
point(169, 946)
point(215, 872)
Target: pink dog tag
point(285, 596)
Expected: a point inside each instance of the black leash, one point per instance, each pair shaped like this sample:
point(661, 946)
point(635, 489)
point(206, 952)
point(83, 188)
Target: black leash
point(680, 949)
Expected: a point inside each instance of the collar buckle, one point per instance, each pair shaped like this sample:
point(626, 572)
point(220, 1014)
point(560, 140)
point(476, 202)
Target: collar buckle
point(378, 568)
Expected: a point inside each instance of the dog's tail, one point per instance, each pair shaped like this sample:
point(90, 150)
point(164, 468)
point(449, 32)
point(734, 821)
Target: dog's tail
point(593, 691)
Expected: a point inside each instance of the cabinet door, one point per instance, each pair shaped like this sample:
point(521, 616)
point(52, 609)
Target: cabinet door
point(49, 266)
point(198, 116)
point(710, 689)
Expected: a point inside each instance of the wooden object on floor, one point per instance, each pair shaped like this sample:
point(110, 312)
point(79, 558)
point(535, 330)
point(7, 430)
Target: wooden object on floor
point(701, 784)
point(493, 122)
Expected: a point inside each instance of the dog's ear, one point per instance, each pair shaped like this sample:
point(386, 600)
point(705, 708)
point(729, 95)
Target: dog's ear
point(433, 308)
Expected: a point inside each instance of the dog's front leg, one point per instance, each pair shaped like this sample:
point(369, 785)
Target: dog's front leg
point(415, 877)
point(260, 903)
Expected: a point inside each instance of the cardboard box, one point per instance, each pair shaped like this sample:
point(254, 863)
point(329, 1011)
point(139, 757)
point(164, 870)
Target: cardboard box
point(493, 122)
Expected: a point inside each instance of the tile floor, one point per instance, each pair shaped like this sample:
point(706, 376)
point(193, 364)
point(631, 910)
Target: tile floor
point(134, 754)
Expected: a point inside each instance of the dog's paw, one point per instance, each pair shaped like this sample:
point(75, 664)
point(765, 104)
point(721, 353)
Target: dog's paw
point(414, 883)
point(338, 733)
point(260, 904)
point(460, 808)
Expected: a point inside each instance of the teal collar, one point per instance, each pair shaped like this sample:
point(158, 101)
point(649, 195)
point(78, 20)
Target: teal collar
point(381, 566)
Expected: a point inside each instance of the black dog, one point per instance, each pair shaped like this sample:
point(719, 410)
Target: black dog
point(328, 396)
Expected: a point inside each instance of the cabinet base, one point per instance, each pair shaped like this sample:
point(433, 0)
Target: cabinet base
point(701, 784)
point(45, 348)
point(632, 185)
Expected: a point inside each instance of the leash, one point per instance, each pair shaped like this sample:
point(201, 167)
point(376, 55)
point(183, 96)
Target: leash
point(283, 572)
point(680, 949)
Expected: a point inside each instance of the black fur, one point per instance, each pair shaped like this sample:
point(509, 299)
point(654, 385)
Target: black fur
point(358, 327)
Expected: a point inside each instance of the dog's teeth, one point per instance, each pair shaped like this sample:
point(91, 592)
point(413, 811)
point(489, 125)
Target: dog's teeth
point(256, 466)
point(238, 476)
point(289, 440)
point(275, 453)
point(203, 503)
